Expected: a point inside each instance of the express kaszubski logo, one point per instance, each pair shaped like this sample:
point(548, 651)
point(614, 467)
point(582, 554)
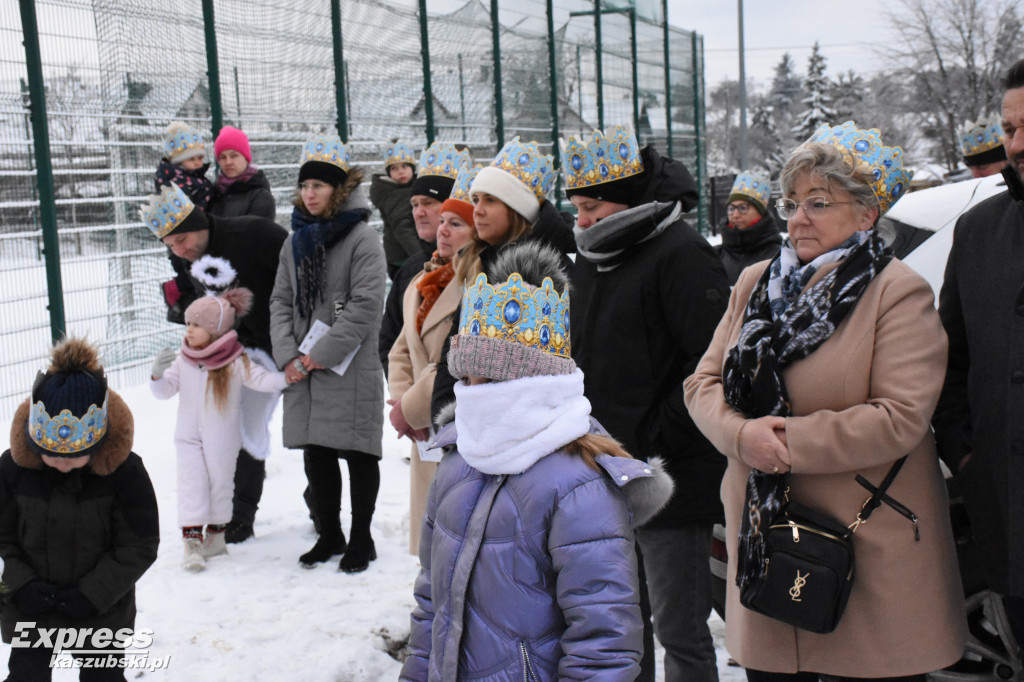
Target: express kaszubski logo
point(91, 647)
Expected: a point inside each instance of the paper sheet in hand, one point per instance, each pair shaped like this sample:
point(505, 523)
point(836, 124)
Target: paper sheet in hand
point(318, 329)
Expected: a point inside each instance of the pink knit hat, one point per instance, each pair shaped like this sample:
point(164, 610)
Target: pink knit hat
point(216, 314)
point(232, 138)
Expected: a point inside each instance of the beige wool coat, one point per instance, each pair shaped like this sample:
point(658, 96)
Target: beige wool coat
point(861, 401)
point(411, 365)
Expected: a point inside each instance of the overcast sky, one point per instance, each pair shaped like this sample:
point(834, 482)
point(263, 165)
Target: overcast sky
point(771, 28)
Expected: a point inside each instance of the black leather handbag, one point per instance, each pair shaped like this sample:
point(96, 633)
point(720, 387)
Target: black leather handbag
point(809, 562)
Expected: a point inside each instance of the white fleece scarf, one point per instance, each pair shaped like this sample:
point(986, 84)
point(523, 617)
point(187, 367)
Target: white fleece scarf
point(505, 427)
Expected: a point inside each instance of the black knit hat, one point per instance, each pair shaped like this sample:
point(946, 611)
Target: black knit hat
point(322, 171)
point(626, 191)
point(434, 186)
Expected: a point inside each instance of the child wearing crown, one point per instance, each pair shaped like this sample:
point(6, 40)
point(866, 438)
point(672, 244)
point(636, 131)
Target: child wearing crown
point(78, 516)
point(390, 193)
point(527, 563)
point(208, 374)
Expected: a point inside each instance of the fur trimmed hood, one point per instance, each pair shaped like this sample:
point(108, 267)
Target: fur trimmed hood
point(533, 260)
point(111, 454)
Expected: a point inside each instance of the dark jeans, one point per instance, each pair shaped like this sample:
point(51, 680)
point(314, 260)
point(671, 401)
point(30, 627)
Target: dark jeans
point(33, 665)
point(678, 569)
point(323, 472)
point(761, 676)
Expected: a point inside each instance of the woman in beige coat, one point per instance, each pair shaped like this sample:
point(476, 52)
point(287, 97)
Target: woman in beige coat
point(828, 364)
point(430, 302)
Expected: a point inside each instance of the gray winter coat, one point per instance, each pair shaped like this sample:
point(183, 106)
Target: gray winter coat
point(342, 412)
point(531, 576)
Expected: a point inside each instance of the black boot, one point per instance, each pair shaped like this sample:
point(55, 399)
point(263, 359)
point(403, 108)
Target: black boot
point(249, 475)
point(361, 551)
point(329, 544)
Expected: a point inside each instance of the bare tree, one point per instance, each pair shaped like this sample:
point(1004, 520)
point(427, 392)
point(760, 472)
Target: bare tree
point(953, 53)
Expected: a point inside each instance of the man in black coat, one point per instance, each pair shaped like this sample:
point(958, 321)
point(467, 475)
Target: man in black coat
point(244, 252)
point(978, 423)
point(648, 292)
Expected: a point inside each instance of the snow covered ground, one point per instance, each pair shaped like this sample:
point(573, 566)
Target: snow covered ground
point(256, 614)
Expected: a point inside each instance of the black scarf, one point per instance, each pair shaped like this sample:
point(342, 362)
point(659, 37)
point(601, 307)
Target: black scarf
point(311, 237)
point(752, 375)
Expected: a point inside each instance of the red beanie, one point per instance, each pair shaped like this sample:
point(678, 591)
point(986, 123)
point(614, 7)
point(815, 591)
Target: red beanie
point(461, 208)
point(232, 138)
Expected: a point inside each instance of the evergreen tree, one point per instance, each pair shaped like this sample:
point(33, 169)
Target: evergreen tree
point(848, 94)
point(769, 142)
point(819, 103)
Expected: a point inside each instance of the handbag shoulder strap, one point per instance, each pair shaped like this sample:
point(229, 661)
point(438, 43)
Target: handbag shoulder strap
point(878, 496)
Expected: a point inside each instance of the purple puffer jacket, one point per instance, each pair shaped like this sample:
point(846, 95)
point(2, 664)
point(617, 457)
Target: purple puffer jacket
point(532, 576)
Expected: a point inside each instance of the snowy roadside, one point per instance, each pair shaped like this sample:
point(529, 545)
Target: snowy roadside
point(255, 614)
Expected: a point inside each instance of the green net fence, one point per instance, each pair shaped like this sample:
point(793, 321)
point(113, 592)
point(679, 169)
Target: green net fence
point(117, 72)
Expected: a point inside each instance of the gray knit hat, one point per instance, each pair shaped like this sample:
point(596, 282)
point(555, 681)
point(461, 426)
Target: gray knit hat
point(518, 327)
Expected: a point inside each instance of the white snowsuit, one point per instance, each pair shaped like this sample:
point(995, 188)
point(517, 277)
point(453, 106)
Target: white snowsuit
point(208, 439)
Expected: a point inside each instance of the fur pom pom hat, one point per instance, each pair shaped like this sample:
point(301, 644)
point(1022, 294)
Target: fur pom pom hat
point(518, 324)
point(182, 142)
point(217, 314)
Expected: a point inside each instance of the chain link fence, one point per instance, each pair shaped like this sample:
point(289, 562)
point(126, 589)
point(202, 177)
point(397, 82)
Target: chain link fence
point(116, 72)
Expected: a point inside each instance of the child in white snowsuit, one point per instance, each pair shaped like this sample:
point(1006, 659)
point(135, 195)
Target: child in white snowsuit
point(209, 373)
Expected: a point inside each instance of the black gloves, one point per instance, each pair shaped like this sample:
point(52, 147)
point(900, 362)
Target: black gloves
point(73, 603)
point(35, 597)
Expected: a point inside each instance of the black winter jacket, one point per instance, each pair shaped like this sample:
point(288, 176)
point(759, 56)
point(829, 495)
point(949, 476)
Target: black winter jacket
point(392, 200)
point(250, 197)
point(981, 408)
point(742, 248)
point(95, 529)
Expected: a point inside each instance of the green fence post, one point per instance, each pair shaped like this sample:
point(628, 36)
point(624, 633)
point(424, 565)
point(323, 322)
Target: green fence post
point(636, 74)
point(698, 131)
point(339, 71)
point(597, 64)
point(499, 114)
point(212, 68)
point(428, 94)
point(556, 152)
point(668, 78)
point(44, 171)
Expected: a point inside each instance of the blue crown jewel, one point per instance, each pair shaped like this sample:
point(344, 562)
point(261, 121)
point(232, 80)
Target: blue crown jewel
point(518, 313)
point(979, 137)
point(605, 157)
point(463, 180)
point(442, 158)
point(326, 148)
point(184, 139)
point(66, 434)
point(753, 184)
point(527, 165)
point(163, 213)
point(881, 166)
point(399, 152)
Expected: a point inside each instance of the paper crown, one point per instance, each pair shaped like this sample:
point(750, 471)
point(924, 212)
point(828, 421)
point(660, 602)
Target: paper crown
point(605, 157)
point(182, 141)
point(980, 137)
point(326, 148)
point(463, 180)
point(65, 434)
point(163, 213)
point(398, 152)
point(526, 164)
point(517, 313)
point(753, 184)
point(442, 158)
point(881, 166)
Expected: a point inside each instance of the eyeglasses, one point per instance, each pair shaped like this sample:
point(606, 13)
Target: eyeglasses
point(814, 207)
point(740, 208)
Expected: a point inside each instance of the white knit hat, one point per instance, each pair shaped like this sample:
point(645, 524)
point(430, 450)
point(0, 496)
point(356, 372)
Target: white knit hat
point(506, 187)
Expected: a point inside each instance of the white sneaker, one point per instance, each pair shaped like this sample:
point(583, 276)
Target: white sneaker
point(214, 545)
point(194, 560)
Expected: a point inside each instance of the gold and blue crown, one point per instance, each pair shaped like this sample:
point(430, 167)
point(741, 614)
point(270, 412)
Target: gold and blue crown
point(463, 180)
point(753, 184)
point(163, 213)
point(326, 148)
point(398, 152)
point(65, 434)
point(881, 166)
point(518, 313)
point(527, 165)
point(980, 137)
point(182, 141)
point(442, 158)
point(605, 157)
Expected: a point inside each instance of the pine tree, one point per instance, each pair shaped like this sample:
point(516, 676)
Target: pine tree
point(819, 103)
point(770, 142)
point(848, 94)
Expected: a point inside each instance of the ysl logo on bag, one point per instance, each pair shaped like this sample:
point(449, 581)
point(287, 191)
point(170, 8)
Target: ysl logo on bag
point(801, 580)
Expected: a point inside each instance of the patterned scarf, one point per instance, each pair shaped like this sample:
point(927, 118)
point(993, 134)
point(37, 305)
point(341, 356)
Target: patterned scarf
point(436, 276)
point(223, 181)
point(781, 327)
point(311, 237)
